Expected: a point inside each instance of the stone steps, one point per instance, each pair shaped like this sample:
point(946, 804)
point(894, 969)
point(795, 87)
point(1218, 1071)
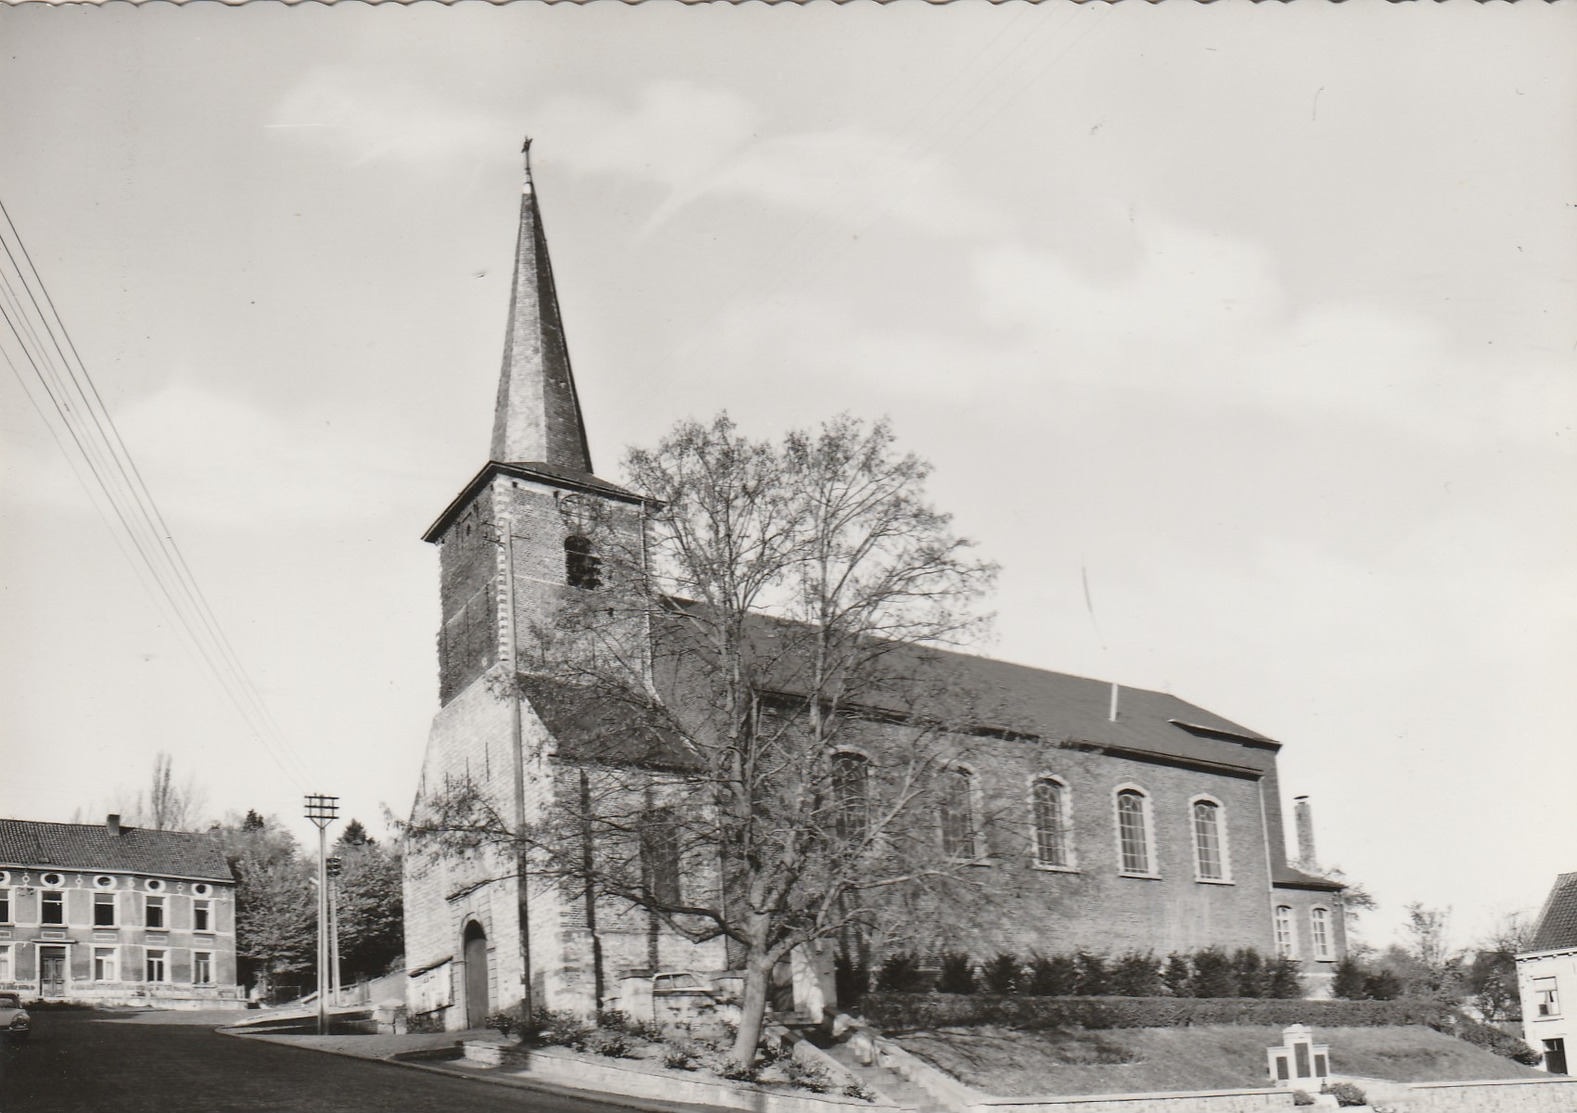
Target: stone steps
point(887, 1083)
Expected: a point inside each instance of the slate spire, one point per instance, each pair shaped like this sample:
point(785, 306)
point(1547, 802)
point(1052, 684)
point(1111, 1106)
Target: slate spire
point(538, 418)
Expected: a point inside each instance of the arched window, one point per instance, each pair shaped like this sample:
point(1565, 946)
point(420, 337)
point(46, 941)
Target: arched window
point(1210, 851)
point(1320, 932)
point(956, 807)
point(851, 794)
point(660, 860)
point(1286, 937)
point(1133, 831)
point(582, 567)
point(1049, 801)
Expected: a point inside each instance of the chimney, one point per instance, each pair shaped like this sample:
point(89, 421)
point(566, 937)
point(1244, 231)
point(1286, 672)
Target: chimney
point(112, 825)
point(1304, 818)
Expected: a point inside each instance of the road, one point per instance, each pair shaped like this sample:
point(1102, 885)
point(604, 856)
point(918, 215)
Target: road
point(90, 1061)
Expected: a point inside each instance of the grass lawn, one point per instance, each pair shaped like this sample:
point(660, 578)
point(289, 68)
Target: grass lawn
point(1208, 1057)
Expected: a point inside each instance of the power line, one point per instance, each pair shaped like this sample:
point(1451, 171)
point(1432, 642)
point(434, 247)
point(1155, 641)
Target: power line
point(160, 565)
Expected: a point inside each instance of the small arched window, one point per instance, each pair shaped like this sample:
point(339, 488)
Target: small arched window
point(582, 567)
point(1049, 800)
point(1320, 932)
point(1286, 939)
point(1210, 859)
point(851, 794)
point(1133, 831)
point(956, 807)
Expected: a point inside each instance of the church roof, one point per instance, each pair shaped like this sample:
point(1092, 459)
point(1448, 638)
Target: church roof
point(31, 844)
point(606, 727)
point(1556, 927)
point(538, 414)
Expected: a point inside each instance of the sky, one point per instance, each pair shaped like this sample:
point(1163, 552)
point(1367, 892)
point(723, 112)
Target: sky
point(1242, 336)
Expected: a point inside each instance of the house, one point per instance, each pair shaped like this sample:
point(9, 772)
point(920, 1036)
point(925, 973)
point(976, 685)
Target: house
point(116, 915)
point(1546, 971)
point(1123, 819)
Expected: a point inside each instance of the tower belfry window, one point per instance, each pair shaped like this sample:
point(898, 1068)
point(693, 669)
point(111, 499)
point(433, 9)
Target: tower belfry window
point(582, 567)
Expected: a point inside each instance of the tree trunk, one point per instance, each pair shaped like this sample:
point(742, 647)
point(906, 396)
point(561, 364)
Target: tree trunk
point(752, 1010)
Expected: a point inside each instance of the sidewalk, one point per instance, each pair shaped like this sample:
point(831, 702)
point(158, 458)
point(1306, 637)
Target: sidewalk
point(426, 1051)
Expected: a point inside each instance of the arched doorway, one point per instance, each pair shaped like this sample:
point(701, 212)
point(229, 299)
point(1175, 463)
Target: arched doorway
point(476, 1002)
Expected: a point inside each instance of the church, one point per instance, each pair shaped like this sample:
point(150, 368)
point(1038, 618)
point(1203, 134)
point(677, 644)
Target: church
point(1151, 824)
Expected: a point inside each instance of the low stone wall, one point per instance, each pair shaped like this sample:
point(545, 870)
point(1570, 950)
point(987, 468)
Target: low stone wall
point(1201, 1101)
point(562, 1068)
point(1501, 1095)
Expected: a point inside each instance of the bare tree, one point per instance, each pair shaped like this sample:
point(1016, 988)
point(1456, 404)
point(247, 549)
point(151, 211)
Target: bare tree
point(165, 805)
point(760, 740)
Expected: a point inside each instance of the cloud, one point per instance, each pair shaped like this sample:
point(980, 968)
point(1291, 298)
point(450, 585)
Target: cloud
point(698, 142)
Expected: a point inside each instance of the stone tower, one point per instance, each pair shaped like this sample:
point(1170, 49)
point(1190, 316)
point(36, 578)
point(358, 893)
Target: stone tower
point(510, 545)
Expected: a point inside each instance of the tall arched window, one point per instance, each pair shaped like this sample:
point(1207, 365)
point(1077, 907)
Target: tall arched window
point(1286, 940)
point(660, 858)
point(1210, 857)
point(582, 567)
point(1320, 932)
point(851, 794)
point(1133, 831)
point(1049, 801)
point(956, 806)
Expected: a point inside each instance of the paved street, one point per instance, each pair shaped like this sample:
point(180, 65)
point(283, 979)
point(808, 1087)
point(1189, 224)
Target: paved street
point(109, 1062)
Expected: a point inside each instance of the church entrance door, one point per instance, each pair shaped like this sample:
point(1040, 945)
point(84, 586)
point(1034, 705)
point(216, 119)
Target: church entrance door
point(476, 1002)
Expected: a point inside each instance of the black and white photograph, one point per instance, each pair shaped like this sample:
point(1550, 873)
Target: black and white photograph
point(788, 557)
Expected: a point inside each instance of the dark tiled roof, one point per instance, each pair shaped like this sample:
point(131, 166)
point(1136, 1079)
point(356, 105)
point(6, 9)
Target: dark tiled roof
point(533, 469)
point(606, 727)
point(1556, 928)
point(81, 846)
point(1287, 877)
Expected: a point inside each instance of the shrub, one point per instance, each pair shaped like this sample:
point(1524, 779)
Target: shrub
point(1346, 1093)
point(1213, 974)
point(1093, 980)
point(681, 1055)
point(853, 979)
point(1349, 980)
point(421, 1022)
point(1302, 1097)
point(900, 973)
point(556, 1027)
point(807, 1076)
point(1249, 973)
point(732, 1069)
point(1382, 986)
point(613, 1020)
point(615, 1045)
point(956, 973)
point(859, 1091)
point(503, 1022)
point(1177, 976)
point(1136, 975)
point(897, 1012)
point(1285, 981)
point(1002, 974)
point(1056, 976)
point(1488, 1037)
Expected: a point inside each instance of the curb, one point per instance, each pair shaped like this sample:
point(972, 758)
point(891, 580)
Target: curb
point(624, 1101)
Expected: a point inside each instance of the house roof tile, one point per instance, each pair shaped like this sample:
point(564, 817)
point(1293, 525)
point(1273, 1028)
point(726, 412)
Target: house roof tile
point(1556, 928)
point(29, 843)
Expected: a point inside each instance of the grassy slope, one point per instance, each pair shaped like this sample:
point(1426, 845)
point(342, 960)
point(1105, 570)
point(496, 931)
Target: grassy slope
point(1208, 1057)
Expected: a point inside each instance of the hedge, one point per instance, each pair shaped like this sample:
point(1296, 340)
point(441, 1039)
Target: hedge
point(904, 1011)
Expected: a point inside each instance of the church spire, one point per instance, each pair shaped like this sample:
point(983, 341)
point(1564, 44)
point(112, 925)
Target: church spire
point(538, 416)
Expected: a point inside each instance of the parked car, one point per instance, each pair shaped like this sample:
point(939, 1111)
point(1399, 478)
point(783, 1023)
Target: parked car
point(15, 1024)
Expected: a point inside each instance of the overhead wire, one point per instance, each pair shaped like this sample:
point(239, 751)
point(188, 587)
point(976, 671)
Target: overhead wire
point(155, 556)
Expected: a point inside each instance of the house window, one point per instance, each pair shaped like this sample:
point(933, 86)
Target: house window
point(1546, 1002)
point(5, 906)
point(957, 809)
point(54, 907)
point(1320, 923)
point(1049, 801)
point(1133, 831)
point(104, 964)
point(155, 913)
point(1286, 941)
point(851, 795)
point(582, 568)
point(1209, 842)
point(155, 966)
point(103, 909)
point(7, 971)
point(203, 967)
point(660, 856)
point(202, 915)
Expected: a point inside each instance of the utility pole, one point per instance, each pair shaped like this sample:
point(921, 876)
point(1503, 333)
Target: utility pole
point(323, 810)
